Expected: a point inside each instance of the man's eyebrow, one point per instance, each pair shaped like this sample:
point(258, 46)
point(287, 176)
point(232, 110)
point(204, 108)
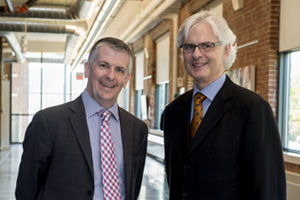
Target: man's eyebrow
point(101, 61)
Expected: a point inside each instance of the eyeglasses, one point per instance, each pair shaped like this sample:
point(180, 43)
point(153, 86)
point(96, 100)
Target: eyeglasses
point(203, 47)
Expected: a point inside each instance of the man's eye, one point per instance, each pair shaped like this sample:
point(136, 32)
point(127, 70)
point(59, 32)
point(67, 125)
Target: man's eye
point(189, 46)
point(102, 65)
point(206, 45)
point(121, 70)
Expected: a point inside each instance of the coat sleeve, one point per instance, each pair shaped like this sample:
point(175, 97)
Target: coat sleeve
point(35, 159)
point(261, 158)
point(141, 159)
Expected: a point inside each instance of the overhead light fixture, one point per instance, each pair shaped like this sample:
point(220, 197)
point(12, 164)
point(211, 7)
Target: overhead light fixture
point(101, 21)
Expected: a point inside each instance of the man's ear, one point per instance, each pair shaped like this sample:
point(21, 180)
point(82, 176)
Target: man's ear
point(226, 51)
point(86, 69)
point(126, 80)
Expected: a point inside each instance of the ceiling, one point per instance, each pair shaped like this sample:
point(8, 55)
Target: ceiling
point(64, 30)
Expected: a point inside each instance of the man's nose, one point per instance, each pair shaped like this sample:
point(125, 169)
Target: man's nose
point(110, 73)
point(197, 52)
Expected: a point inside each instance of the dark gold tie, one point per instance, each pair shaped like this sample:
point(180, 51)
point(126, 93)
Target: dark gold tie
point(198, 113)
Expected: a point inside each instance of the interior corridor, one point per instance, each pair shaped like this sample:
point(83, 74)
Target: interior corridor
point(154, 184)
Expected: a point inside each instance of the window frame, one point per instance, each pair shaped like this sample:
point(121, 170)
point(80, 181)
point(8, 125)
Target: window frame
point(284, 99)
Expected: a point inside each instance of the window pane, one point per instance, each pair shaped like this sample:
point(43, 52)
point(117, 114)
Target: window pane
point(52, 100)
point(294, 106)
point(161, 99)
point(34, 102)
point(53, 78)
point(34, 77)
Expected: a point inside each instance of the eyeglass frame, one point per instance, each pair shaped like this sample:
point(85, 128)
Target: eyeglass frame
point(199, 46)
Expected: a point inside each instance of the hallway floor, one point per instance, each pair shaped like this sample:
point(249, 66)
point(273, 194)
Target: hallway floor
point(9, 163)
point(154, 184)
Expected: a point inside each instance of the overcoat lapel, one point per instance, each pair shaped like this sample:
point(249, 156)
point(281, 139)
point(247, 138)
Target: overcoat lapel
point(79, 124)
point(216, 111)
point(127, 134)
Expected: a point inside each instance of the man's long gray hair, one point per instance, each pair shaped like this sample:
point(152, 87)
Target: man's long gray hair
point(220, 28)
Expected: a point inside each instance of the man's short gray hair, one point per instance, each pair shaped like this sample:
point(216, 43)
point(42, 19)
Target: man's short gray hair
point(113, 43)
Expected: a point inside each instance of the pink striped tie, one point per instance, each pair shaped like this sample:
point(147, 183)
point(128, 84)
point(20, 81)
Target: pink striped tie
point(111, 190)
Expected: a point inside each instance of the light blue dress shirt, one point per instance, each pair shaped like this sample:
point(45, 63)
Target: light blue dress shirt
point(94, 122)
point(210, 92)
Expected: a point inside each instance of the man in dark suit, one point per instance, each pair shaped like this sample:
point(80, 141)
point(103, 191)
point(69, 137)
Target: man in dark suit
point(235, 153)
point(62, 156)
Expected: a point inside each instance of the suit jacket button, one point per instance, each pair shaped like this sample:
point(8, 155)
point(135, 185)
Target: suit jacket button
point(185, 194)
point(89, 192)
point(187, 166)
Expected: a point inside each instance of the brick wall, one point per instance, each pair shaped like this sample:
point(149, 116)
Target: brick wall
point(292, 167)
point(149, 84)
point(257, 21)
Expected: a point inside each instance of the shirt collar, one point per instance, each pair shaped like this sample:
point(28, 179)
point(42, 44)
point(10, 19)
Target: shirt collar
point(212, 89)
point(92, 107)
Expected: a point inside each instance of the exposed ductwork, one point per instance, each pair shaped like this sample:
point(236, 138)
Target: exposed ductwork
point(71, 21)
point(77, 27)
point(83, 30)
point(47, 12)
point(75, 41)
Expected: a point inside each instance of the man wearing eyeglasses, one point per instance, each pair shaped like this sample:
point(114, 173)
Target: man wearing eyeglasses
point(221, 140)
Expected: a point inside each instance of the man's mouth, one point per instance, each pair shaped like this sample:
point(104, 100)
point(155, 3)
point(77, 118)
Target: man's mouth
point(107, 85)
point(199, 64)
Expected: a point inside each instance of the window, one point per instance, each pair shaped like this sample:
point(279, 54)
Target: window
point(139, 82)
point(289, 98)
point(162, 76)
point(161, 101)
point(40, 85)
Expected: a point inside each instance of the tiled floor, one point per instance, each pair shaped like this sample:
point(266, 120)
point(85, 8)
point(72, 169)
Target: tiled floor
point(154, 186)
point(9, 163)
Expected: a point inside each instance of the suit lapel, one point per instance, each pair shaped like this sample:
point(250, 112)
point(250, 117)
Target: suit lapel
point(185, 110)
point(216, 111)
point(79, 124)
point(127, 134)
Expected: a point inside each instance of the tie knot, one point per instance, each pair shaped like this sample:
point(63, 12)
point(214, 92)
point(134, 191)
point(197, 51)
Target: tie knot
point(104, 114)
point(199, 97)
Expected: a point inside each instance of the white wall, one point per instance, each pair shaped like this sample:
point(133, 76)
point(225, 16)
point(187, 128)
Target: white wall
point(293, 186)
point(5, 112)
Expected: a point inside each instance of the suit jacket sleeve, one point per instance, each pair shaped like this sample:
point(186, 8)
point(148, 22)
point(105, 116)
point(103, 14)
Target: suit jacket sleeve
point(35, 158)
point(262, 160)
point(141, 159)
point(134, 133)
